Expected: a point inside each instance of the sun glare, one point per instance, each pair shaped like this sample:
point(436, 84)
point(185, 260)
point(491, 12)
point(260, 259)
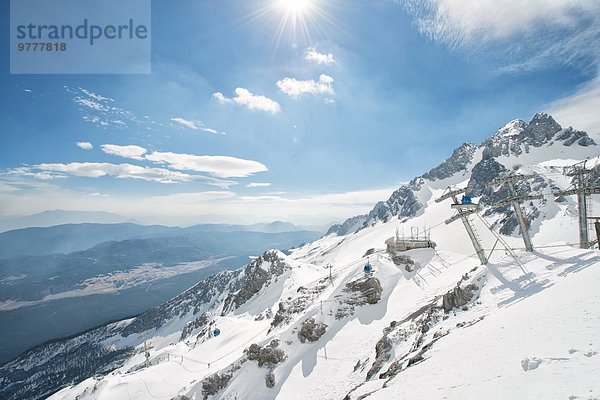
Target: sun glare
point(295, 6)
point(295, 21)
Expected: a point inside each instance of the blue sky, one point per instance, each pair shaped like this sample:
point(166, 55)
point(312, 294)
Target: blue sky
point(245, 118)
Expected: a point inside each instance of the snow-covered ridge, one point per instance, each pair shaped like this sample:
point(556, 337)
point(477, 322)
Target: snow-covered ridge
point(517, 141)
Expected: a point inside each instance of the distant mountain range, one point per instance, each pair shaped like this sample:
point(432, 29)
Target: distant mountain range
point(58, 280)
point(61, 217)
point(39, 241)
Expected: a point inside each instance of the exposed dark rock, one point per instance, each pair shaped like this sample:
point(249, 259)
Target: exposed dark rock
point(214, 383)
point(369, 252)
point(518, 137)
point(383, 353)
point(350, 225)
point(254, 277)
point(270, 380)
point(288, 308)
point(400, 259)
point(571, 136)
point(401, 204)
point(458, 161)
point(198, 322)
point(368, 291)
point(458, 297)
point(311, 331)
point(480, 184)
point(268, 356)
point(505, 141)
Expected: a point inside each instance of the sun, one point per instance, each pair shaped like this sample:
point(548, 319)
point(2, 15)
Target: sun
point(294, 21)
point(295, 6)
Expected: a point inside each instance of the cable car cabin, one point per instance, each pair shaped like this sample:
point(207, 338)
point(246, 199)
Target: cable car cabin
point(466, 203)
point(368, 269)
point(216, 332)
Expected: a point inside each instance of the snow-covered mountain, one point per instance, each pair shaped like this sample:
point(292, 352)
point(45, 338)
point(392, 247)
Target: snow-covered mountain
point(427, 324)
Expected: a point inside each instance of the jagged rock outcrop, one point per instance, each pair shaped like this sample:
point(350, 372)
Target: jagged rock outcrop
point(350, 225)
point(459, 160)
point(402, 204)
point(517, 137)
point(270, 380)
point(366, 290)
point(268, 356)
point(383, 353)
point(480, 184)
point(198, 322)
point(458, 297)
point(254, 277)
point(311, 331)
point(287, 308)
point(214, 383)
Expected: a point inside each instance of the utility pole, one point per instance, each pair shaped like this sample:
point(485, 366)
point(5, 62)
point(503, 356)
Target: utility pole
point(330, 276)
point(597, 226)
point(463, 213)
point(597, 229)
point(146, 351)
point(516, 201)
point(582, 190)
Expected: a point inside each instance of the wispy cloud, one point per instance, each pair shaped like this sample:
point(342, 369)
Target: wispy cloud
point(85, 145)
point(246, 98)
point(196, 125)
point(548, 31)
point(258, 184)
point(103, 111)
point(580, 109)
point(121, 171)
point(312, 55)
point(294, 87)
point(131, 151)
point(221, 166)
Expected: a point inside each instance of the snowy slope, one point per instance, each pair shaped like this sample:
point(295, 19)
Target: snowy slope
point(441, 326)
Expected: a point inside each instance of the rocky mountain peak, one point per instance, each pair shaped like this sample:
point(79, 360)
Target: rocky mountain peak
point(541, 129)
point(513, 128)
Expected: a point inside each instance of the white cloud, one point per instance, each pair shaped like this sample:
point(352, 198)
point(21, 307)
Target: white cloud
point(258, 184)
point(28, 172)
point(533, 32)
point(97, 170)
point(254, 102)
point(196, 125)
point(580, 110)
point(131, 151)
point(221, 166)
point(312, 55)
point(294, 87)
point(85, 145)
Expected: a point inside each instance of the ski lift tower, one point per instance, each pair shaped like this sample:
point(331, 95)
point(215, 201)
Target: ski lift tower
point(516, 202)
point(464, 209)
point(583, 190)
